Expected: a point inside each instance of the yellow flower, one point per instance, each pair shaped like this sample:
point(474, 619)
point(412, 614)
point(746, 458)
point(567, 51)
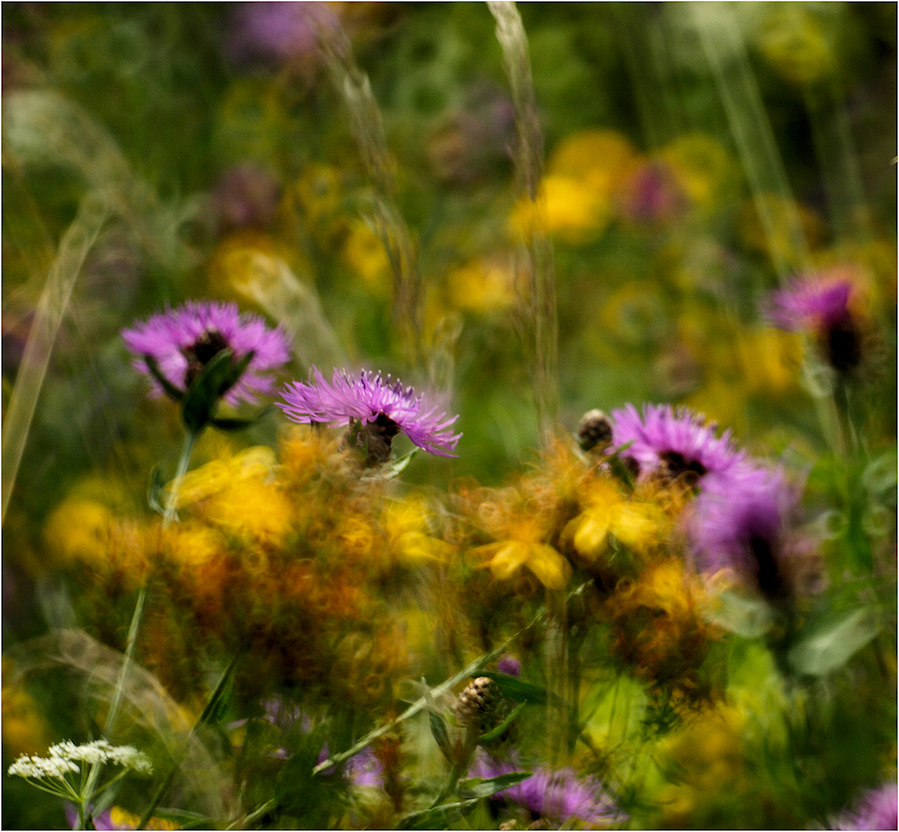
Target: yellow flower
point(125, 820)
point(794, 40)
point(221, 474)
point(609, 512)
point(364, 252)
point(406, 526)
point(525, 548)
point(703, 168)
point(604, 158)
point(25, 731)
point(568, 207)
point(483, 285)
point(193, 544)
point(252, 510)
point(78, 529)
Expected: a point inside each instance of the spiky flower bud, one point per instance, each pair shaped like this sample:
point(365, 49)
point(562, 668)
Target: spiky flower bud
point(594, 430)
point(480, 704)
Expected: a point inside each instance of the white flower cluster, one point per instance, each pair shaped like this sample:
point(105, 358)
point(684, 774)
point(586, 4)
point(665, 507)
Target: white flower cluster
point(38, 768)
point(65, 756)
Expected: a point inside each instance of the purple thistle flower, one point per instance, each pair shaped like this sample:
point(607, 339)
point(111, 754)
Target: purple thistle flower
point(676, 444)
point(743, 524)
point(183, 340)
point(820, 304)
point(557, 794)
point(810, 303)
point(877, 809)
point(508, 664)
point(373, 401)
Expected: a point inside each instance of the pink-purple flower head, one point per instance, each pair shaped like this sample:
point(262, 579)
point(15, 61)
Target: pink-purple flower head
point(744, 525)
point(381, 405)
point(820, 304)
point(811, 303)
point(877, 809)
point(558, 795)
point(183, 341)
point(676, 444)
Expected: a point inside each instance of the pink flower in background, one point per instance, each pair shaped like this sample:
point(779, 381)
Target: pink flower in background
point(820, 304)
point(877, 809)
point(182, 341)
point(810, 303)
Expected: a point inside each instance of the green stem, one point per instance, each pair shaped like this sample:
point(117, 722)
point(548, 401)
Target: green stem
point(208, 711)
point(459, 767)
point(184, 461)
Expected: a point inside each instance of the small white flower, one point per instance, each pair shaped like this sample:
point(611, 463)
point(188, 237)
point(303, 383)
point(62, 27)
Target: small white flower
point(39, 768)
point(65, 756)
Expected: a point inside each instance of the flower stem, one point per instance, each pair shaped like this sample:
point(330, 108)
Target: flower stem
point(208, 711)
point(130, 646)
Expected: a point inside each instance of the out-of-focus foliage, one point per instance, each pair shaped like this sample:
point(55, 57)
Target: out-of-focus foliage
point(357, 173)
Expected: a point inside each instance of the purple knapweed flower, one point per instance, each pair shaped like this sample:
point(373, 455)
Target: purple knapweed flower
point(558, 795)
point(103, 821)
point(383, 406)
point(745, 525)
point(508, 664)
point(675, 443)
point(183, 340)
point(877, 809)
point(275, 33)
point(365, 770)
point(820, 304)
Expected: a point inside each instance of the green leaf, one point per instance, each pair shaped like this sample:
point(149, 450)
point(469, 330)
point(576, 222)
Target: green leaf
point(389, 470)
point(747, 616)
point(439, 732)
point(496, 733)
point(203, 396)
point(484, 787)
point(439, 817)
point(522, 691)
point(229, 424)
point(834, 645)
point(154, 490)
point(184, 819)
point(153, 366)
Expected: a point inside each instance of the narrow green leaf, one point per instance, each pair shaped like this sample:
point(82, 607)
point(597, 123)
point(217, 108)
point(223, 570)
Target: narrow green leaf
point(171, 391)
point(439, 817)
point(439, 732)
point(496, 733)
point(229, 424)
point(236, 370)
point(522, 691)
point(391, 469)
point(154, 490)
point(747, 616)
point(478, 787)
point(833, 646)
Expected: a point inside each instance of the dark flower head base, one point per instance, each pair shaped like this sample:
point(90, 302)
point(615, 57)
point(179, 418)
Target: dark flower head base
point(377, 408)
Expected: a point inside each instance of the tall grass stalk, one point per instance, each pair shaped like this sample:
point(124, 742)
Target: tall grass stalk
point(534, 265)
point(368, 131)
point(750, 126)
point(77, 241)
